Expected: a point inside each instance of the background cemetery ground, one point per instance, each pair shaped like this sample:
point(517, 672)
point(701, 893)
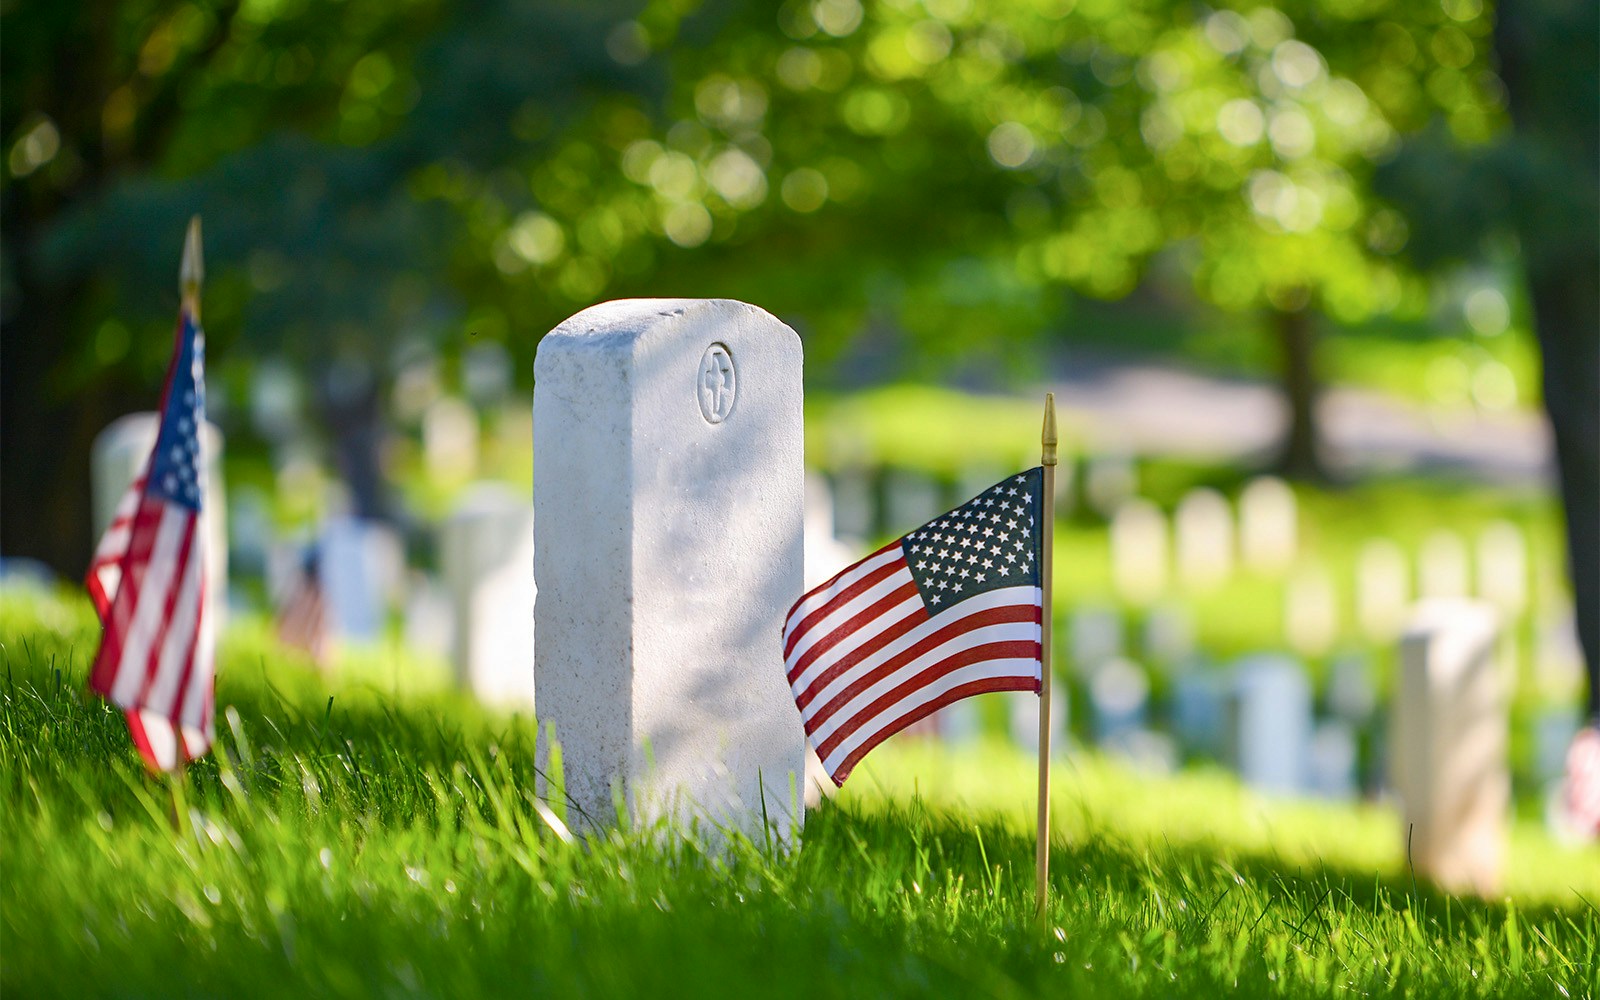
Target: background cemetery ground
point(376, 833)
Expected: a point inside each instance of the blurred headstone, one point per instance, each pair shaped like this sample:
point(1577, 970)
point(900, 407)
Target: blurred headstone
point(1383, 589)
point(1310, 612)
point(1333, 760)
point(121, 450)
point(450, 439)
point(362, 563)
point(1554, 726)
point(1450, 745)
point(959, 723)
point(825, 553)
point(1200, 711)
point(1139, 551)
point(486, 561)
point(1352, 695)
point(1269, 526)
point(669, 500)
point(910, 498)
point(854, 514)
point(1203, 533)
point(430, 618)
point(486, 373)
point(274, 400)
point(1503, 568)
point(1271, 723)
point(1168, 635)
point(1110, 479)
point(1095, 636)
point(1119, 694)
point(1442, 566)
point(1022, 716)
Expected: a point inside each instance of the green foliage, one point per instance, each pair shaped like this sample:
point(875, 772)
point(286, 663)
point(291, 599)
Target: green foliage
point(378, 843)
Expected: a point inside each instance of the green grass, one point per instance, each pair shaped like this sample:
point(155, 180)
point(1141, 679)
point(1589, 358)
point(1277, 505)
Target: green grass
point(361, 838)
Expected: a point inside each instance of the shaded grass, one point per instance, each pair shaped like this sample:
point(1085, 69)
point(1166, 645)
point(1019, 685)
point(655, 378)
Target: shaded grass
point(350, 841)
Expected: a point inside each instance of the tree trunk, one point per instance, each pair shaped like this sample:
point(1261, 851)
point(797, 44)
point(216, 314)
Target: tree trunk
point(1301, 457)
point(1548, 63)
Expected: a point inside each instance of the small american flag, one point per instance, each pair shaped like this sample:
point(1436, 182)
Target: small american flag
point(303, 618)
point(147, 581)
point(951, 610)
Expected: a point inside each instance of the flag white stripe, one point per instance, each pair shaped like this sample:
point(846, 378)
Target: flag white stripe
point(840, 584)
point(201, 677)
point(852, 641)
point(180, 635)
point(152, 601)
point(921, 696)
point(847, 713)
point(848, 610)
point(988, 601)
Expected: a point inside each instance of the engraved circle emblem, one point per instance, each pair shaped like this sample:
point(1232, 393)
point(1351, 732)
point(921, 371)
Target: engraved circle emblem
point(717, 385)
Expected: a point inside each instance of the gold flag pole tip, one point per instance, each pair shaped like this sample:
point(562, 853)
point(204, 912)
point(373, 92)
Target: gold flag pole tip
point(192, 272)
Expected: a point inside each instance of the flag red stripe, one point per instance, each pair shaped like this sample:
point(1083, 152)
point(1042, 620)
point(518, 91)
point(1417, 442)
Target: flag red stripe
point(840, 599)
point(917, 616)
point(159, 642)
point(178, 706)
point(833, 580)
point(856, 621)
point(965, 658)
point(134, 561)
point(1005, 615)
point(985, 686)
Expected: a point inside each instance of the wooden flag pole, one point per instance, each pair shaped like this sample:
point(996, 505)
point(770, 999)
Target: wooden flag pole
point(191, 272)
point(1046, 573)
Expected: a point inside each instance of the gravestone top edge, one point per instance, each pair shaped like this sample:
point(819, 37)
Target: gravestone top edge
point(618, 323)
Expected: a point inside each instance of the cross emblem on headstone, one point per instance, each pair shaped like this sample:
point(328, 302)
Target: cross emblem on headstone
point(717, 386)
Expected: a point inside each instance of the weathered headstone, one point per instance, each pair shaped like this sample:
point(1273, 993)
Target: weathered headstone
point(1169, 640)
point(1442, 566)
point(1503, 567)
point(1269, 526)
point(1450, 743)
point(1203, 532)
point(1271, 724)
point(1139, 550)
point(120, 451)
point(668, 497)
point(1383, 589)
point(1310, 612)
point(486, 560)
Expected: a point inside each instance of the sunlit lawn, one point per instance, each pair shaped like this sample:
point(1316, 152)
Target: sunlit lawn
point(356, 840)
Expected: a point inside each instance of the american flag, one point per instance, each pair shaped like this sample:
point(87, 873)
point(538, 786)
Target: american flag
point(951, 610)
point(303, 618)
point(147, 581)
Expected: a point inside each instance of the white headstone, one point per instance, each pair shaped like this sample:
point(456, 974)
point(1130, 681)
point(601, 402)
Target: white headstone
point(1450, 745)
point(854, 513)
point(1169, 635)
point(1269, 527)
point(1118, 695)
point(120, 451)
point(430, 619)
point(1203, 529)
point(486, 560)
point(1310, 612)
point(1139, 551)
point(1271, 728)
point(1022, 718)
point(1503, 567)
point(910, 498)
point(669, 493)
point(1442, 566)
point(450, 439)
point(362, 563)
point(1200, 711)
point(1333, 758)
point(826, 554)
point(1095, 636)
point(1383, 589)
point(1109, 480)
